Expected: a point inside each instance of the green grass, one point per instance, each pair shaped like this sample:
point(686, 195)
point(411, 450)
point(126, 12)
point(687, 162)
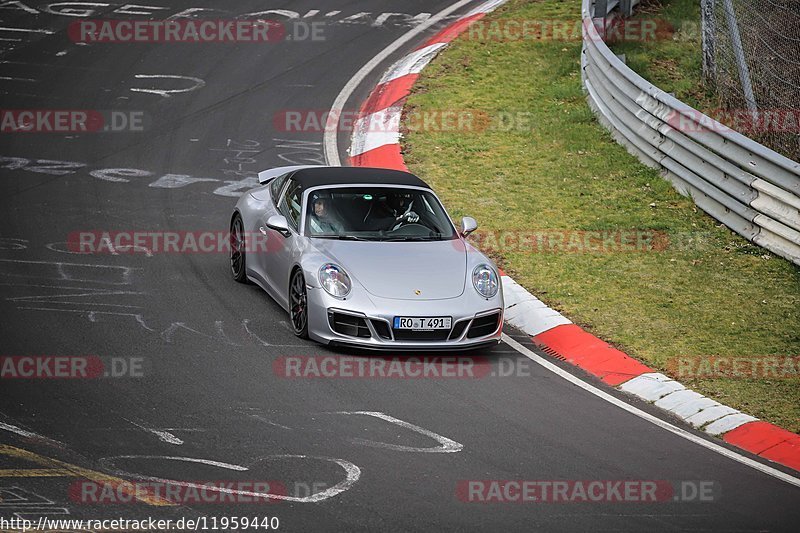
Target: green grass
point(673, 64)
point(708, 293)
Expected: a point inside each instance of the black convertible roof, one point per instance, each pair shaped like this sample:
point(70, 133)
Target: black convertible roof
point(317, 176)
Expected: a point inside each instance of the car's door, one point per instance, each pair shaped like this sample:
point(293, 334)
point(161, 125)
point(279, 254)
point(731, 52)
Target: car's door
point(279, 260)
point(259, 247)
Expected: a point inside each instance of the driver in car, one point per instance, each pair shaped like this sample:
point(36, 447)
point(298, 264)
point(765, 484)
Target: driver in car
point(322, 220)
point(393, 212)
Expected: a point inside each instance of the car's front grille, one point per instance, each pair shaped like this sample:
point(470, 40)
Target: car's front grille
point(350, 325)
point(432, 335)
point(484, 325)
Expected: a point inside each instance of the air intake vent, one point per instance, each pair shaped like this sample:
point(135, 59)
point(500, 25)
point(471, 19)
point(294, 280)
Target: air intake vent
point(458, 329)
point(381, 328)
point(350, 325)
point(484, 325)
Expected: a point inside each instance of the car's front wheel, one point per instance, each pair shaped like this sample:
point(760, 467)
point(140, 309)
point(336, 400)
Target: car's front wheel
point(298, 304)
point(237, 245)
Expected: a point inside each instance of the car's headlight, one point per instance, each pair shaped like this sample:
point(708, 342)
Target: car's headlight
point(334, 280)
point(485, 281)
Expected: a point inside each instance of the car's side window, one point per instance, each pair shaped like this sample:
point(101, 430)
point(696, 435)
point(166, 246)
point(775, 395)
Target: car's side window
point(291, 205)
point(276, 186)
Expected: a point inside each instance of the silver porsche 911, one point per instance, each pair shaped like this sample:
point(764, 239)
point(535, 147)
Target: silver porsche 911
point(365, 257)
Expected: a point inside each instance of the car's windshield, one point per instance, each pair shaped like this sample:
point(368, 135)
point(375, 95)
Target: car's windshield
point(377, 214)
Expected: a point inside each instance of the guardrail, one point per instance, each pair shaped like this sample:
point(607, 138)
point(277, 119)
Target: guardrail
point(748, 187)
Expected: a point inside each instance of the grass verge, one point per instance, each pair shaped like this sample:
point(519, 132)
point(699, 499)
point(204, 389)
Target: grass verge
point(703, 292)
point(673, 64)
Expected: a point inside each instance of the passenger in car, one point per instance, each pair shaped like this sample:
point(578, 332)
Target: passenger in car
point(324, 221)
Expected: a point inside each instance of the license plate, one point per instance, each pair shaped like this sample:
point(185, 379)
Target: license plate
point(423, 324)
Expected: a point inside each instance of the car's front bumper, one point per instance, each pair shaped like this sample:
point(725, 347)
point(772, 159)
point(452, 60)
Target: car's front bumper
point(368, 322)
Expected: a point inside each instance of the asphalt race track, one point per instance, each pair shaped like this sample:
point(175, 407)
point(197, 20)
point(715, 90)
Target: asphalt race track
point(209, 403)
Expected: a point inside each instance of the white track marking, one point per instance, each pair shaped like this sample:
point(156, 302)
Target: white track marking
point(59, 263)
point(447, 445)
point(57, 247)
point(331, 129)
point(376, 130)
point(167, 93)
point(486, 7)
point(413, 63)
point(26, 30)
point(246, 326)
point(352, 475)
point(650, 418)
point(19, 431)
point(46, 298)
point(164, 436)
point(66, 276)
point(268, 422)
point(209, 462)
point(27, 434)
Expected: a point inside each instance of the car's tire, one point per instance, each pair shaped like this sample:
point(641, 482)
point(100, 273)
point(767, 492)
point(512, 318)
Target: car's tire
point(298, 304)
point(238, 259)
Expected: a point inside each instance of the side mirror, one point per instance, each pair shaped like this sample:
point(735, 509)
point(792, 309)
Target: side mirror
point(468, 225)
point(279, 224)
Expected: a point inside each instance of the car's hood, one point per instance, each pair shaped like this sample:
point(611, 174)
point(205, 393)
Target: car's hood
point(402, 270)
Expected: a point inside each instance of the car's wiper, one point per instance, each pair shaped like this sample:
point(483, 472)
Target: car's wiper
point(411, 239)
point(341, 237)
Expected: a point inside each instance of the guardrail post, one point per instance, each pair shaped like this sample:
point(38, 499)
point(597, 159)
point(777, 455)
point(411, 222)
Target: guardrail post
point(741, 62)
point(626, 8)
point(708, 24)
point(599, 17)
point(600, 9)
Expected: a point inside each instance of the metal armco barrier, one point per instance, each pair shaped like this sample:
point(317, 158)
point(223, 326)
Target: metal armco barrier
point(748, 187)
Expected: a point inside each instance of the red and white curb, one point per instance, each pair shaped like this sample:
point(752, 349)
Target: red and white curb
point(376, 143)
